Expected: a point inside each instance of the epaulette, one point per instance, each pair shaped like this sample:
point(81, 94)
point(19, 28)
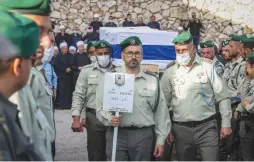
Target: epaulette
point(207, 60)
point(150, 73)
point(30, 82)
point(171, 64)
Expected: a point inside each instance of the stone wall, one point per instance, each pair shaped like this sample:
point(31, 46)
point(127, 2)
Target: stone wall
point(219, 17)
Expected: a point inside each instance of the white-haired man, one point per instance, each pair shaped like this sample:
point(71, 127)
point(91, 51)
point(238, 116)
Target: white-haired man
point(140, 21)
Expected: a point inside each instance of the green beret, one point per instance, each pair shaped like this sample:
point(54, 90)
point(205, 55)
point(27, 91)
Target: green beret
point(225, 43)
point(248, 40)
point(237, 38)
point(21, 32)
point(183, 38)
point(250, 56)
point(34, 7)
point(102, 44)
point(89, 45)
point(131, 41)
point(207, 44)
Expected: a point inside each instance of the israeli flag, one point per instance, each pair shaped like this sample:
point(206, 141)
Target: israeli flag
point(157, 45)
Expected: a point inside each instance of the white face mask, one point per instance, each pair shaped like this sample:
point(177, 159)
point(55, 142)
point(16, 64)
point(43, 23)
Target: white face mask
point(103, 61)
point(93, 59)
point(183, 59)
point(48, 54)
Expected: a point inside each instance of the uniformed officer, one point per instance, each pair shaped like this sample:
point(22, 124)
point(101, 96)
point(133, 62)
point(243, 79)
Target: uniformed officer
point(237, 67)
point(245, 112)
point(149, 123)
point(38, 11)
point(83, 102)
point(15, 63)
point(248, 46)
point(190, 87)
point(209, 53)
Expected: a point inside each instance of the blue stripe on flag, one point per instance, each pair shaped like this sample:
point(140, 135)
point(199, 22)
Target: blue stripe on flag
point(151, 52)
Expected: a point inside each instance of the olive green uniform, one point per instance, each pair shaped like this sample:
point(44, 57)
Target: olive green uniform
point(140, 129)
point(191, 93)
point(83, 105)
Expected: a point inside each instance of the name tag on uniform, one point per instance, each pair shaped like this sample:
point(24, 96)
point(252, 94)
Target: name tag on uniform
point(93, 76)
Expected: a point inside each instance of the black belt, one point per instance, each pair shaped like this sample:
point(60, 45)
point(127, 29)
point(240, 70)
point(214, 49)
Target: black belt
point(195, 123)
point(134, 127)
point(93, 111)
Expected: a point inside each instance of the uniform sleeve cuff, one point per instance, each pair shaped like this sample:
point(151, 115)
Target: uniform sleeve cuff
point(75, 113)
point(226, 123)
point(240, 108)
point(160, 141)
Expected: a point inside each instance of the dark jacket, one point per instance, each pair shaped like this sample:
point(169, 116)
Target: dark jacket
point(63, 38)
point(63, 62)
point(96, 25)
point(75, 37)
point(194, 27)
point(79, 60)
point(143, 24)
point(14, 144)
point(154, 25)
point(127, 23)
point(110, 24)
point(94, 36)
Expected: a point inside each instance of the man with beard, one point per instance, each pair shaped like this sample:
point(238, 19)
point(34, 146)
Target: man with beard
point(15, 64)
point(245, 112)
point(208, 51)
point(64, 73)
point(91, 51)
point(225, 51)
point(191, 86)
point(79, 60)
point(91, 35)
point(72, 50)
point(248, 46)
point(142, 133)
point(237, 72)
point(83, 102)
point(140, 21)
point(35, 103)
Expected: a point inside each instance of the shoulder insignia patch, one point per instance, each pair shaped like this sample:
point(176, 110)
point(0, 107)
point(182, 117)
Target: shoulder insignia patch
point(150, 73)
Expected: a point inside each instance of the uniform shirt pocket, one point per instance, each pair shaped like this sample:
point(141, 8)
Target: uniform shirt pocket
point(146, 98)
point(48, 90)
point(92, 84)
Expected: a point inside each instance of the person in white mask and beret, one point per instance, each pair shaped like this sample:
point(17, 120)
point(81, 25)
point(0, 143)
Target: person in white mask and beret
point(83, 101)
point(191, 88)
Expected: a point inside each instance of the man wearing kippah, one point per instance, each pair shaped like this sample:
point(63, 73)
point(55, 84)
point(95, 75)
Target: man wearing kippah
point(245, 111)
point(83, 101)
point(208, 52)
point(149, 123)
point(15, 64)
point(191, 86)
point(38, 11)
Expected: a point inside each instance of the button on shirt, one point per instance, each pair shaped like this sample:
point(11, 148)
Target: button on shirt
point(144, 99)
point(192, 91)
